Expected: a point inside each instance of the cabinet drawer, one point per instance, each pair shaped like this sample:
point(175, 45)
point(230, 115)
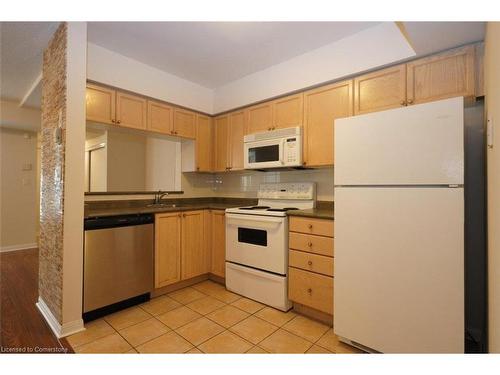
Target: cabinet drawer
point(311, 289)
point(311, 244)
point(311, 262)
point(311, 226)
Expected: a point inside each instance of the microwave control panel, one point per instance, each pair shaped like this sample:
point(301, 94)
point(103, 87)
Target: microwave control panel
point(292, 150)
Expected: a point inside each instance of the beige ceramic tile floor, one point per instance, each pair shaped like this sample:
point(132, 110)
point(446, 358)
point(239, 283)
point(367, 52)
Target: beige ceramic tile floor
point(206, 318)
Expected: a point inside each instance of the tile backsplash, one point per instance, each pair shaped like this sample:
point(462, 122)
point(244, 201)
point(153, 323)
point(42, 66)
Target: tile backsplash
point(245, 184)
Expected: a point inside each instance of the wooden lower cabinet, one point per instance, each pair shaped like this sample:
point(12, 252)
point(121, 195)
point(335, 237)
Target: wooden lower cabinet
point(311, 289)
point(167, 249)
point(310, 272)
point(218, 264)
point(181, 251)
point(194, 251)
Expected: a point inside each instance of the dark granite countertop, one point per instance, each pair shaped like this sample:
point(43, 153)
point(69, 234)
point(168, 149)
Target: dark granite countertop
point(323, 210)
point(128, 207)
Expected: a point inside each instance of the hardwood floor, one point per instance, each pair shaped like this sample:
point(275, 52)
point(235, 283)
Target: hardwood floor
point(22, 327)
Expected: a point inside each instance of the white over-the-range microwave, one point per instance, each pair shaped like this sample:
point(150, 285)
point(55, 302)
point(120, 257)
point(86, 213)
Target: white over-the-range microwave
point(273, 149)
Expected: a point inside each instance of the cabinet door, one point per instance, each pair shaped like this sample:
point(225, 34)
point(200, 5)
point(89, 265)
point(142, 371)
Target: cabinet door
point(221, 143)
point(380, 90)
point(441, 76)
point(288, 111)
point(131, 111)
point(218, 264)
point(204, 144)
point(100, 104)
point(259, 118)
point(160, 117)
point(167, 249)
point(184, 123)
point(322, 107)
point(235, 139)
point(195, 259)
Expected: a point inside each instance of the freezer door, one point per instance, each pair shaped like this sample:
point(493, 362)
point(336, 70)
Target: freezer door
point(399, 268)
point(417, 145)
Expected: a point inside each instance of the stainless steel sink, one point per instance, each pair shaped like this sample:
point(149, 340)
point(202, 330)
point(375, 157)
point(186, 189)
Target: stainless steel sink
point(161, 205)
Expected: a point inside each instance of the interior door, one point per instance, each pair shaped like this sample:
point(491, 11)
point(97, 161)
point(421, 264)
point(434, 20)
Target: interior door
point(399, 268)
point(417, 145)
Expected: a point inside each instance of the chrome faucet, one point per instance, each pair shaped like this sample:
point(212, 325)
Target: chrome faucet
point(159, 195)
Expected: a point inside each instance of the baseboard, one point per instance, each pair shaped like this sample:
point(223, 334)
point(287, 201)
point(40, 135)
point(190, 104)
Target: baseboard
point(26, 246)
point(59, 330)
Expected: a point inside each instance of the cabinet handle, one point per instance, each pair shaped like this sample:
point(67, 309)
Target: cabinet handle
point(403, 102)
point(118, 122)
point(183, 215)
point(269, 128)
point(197, 168)
point(310, 263)
point(309, 244)
point(310, 226)
point(113, 120)
point(309, 290)
point(410, 101)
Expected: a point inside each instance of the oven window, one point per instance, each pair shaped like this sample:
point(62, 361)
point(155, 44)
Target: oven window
point(263, 153)
point(252, 236)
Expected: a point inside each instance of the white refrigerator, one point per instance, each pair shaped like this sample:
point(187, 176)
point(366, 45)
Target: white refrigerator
point(399, 229)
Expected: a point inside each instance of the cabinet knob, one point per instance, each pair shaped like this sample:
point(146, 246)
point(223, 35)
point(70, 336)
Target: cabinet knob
point(310, 226)
point(183, 215)
point(118, 122)
point(309, 244)
point(403, 102)
point(310, 263)
point(197, 168)
point(309, 290)
point(269, 128)
point(113, 120)
point(410, 101)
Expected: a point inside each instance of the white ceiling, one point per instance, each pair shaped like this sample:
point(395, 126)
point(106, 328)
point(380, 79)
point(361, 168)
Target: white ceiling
point(21, 53)
point(208, 53)
point(215, 53)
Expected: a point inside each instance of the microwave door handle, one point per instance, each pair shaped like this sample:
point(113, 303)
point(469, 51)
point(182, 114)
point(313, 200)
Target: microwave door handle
point(282, 151)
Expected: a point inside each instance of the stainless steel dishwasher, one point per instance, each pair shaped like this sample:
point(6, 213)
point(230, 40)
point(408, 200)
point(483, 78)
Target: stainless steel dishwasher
point(118, 260)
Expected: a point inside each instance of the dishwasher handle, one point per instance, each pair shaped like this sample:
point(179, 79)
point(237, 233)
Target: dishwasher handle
point(117, 221)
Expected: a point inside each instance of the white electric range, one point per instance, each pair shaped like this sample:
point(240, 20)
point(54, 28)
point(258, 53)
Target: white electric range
point(257, 242)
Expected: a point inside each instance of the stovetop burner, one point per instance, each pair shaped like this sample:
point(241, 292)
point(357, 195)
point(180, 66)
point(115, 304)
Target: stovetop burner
point(256, 208)
point(282, 209)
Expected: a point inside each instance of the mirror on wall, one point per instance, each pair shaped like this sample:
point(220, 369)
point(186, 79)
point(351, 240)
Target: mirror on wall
point(123, 160)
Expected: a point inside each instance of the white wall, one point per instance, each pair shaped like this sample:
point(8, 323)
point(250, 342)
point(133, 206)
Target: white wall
point(18, 189)
point(13, 116)
point(492, 82)
point(111, 68)
point(376, 46)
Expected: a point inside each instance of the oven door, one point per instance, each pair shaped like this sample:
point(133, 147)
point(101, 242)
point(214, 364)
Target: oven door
point(264, 154)
point(257, 241)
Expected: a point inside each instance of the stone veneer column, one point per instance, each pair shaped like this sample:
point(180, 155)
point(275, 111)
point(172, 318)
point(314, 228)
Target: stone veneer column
point(62, 179)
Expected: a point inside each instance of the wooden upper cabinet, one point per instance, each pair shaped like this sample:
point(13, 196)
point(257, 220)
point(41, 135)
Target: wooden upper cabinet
point(204, 144)
point(131, 111)
point(195, 258)
point(259, 118)
point(235, 139)
point(221, 129)
point(160, 117)
point(184, 123)
point(322, 106)
point(288, 111)
point(441, 76)
point(218, 254)
point(380, 90)
point(100, 104)
point(167, 249)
